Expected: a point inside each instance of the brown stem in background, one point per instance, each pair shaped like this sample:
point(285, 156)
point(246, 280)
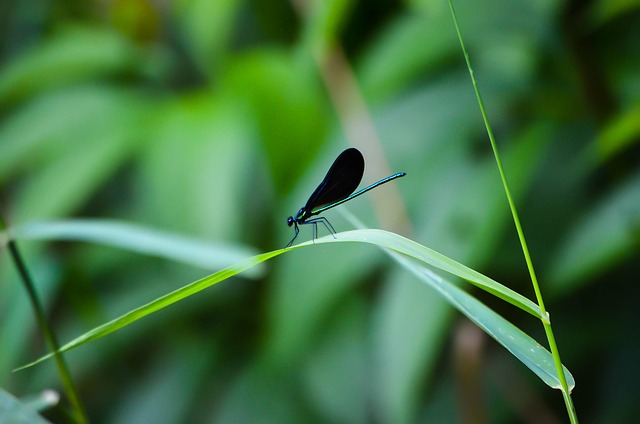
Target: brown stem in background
point(359, 129)
point(468, 349)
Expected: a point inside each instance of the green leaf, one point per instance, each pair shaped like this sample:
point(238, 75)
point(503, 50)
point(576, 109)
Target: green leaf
point(410, 330)
point(59, 123)
point(619, 134)
point(424, 254)
point(161, 303)
point(284, 97)
point(73, 55)
point(200, 156)
point(337, 361)
point(393, 62)
point(380, 238)
point(70, 142)
point(207, 27)
point(603, 12)
point(524, 348)
point(324, 22)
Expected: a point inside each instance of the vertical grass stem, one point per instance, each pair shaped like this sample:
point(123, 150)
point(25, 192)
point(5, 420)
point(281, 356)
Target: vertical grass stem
point(67, 382)
point(534, 280)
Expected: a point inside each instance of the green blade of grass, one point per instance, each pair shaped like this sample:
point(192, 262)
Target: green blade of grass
point(380, 238)
point(519, 344)
point(566, 391)
point(423, 254)
point(160, 303)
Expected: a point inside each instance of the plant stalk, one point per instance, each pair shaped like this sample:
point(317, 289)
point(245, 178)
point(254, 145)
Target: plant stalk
point(534, 280)
point(70, 390)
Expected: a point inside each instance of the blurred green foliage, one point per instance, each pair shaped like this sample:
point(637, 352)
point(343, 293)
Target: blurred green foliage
point(216, 119)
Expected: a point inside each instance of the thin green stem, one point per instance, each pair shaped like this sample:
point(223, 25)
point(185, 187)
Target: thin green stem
point(525, 250)
point(67, 382)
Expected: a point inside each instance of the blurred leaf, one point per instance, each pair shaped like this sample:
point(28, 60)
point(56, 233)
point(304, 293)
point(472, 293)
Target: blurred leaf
point(13, 411)
point(200, 253)
point(341, 360)
point(65, 184)
point(409, 331)
point(207, 27)
point(153, 396)
point(428, 129)
point(619, 134)
point(261, 394)
point(604, 236)
point(41, 401)
point(74, 55)
point(602, 12)
point(282, 93)
point(394, 61)
point(139, 20)
point(94, 131)
point(503, 36)
point(64, 120)
point(195, 175)
point(324, 22)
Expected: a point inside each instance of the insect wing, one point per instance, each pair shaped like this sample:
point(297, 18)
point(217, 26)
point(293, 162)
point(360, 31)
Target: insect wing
point(341, 180)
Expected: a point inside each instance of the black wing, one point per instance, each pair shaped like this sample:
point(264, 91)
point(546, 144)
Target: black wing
point(343, 178)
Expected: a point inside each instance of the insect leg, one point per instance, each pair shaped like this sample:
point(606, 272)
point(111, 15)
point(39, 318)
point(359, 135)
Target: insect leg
point(324, 222)
point(314, 232)
point(295, 234)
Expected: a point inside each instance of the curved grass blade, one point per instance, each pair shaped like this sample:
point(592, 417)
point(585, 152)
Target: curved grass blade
point(423, 254)
point(380, 238)
point(160, 303)
point(519, 344)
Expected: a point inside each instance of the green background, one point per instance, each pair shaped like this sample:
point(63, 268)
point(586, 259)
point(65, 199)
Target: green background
point(215, 120)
